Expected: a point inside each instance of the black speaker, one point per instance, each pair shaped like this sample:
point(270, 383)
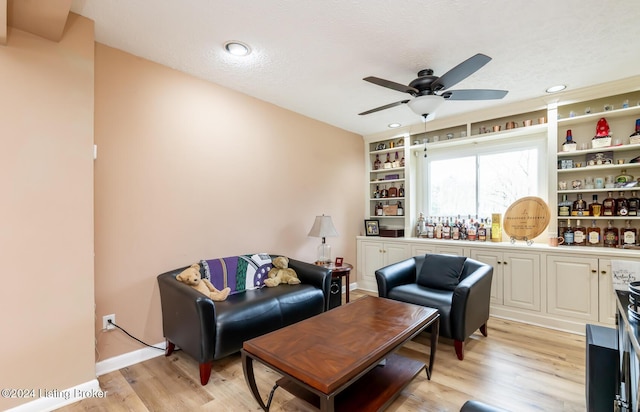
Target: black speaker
point(335, 293)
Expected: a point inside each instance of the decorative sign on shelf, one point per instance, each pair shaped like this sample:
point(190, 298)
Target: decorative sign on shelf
point(526, 218)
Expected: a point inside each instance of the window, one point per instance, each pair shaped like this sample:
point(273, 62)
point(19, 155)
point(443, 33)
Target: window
point(480, 179)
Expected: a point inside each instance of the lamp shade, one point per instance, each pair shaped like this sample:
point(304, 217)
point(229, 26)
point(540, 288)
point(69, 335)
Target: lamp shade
point(427, 104)
point(323, 227)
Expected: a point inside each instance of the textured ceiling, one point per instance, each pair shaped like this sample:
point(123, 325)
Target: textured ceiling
point(310, 56)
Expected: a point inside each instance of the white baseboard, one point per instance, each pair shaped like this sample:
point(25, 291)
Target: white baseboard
point(128, 359)
point(53, 399)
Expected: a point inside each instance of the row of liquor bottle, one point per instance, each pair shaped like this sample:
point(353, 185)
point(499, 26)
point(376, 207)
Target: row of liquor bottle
point(602, 131)
point(388, 164)
point(610, 206)
point(455, 228)
point(575, 234)
point(391, 192)
point(389, 210)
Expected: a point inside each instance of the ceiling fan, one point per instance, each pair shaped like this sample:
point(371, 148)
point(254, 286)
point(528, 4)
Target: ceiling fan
point(430, 91)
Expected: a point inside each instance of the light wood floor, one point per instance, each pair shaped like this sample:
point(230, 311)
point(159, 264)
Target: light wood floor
point(518, 367)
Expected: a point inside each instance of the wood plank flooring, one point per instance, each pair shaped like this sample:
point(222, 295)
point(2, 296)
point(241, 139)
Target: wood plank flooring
point(518, 367)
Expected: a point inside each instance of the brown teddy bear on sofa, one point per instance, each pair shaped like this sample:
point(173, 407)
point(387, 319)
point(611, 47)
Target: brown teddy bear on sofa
point(281, 273)
point(191, 277)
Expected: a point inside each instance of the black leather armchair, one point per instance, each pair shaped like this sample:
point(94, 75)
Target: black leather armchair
point(459, 287)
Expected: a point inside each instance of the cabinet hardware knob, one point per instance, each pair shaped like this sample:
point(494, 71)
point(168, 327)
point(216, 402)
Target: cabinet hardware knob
point(499, 263)
point(604, 272)
point(594, 271)
point(504, 263)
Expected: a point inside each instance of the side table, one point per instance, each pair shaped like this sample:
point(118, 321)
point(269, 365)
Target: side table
point(339, 272)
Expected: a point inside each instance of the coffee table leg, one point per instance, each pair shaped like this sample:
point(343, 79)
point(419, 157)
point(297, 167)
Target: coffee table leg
point(435, 331)
point(247, 367)
point(327, 403)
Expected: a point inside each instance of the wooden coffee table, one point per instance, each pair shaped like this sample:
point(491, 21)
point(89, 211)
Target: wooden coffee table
point(344, 359)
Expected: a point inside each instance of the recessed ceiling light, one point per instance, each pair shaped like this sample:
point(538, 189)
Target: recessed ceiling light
point(237, 48)
point(554, 89)
point(394, 125)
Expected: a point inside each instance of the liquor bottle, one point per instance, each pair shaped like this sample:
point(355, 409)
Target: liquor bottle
point(446, 229)
point(438, 229)
point(634, 204)
point(595, 208)
point(609, 205)
point(472, 230)
point(496, 227)
point(482, 232)
point(593, 235)
point(393, 191)
point(579, 207)
point(562, 225)
point(401, 190)
point(568, 235)
point(384, 192)
point(564, 207)
point(622, 205)
point(635, 135)
point(610, 237)
point(579, 234)
point(431, 228)
point(623, 178)
point(569, 145)
point(455, 231)
point(420, 225)
point(377, 164)
point(628, 235)
point(396, 162)
point(400, 211)
point(379, 209)
point(402, 161)
point(376, 193)
point(387, 163)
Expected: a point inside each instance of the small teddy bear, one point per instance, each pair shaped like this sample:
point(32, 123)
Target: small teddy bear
point(281, 273)
point(191, 276)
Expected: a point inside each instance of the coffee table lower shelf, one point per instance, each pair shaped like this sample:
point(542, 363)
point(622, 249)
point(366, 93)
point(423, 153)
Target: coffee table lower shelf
point(372, 392)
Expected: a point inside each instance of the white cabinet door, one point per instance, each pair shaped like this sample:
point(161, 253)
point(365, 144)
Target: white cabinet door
point(422, 249)
point(607, 300)
point(572, 287)
point(450, 250)
point(495, 259)
point(395, 252)
point(375, 254)
point(521, 280)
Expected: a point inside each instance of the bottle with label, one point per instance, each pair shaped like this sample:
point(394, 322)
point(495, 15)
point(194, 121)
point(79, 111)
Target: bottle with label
point(628, 235)
point(396, 162)
point(593, 235)
point(438, 229)
point(579, 234)
point(402, 161)
point(635, 136)
point(387, 163)
point(400, 211)
point(393, 191)
point(623, 177)
point(609, 205)
point(610, 237)
point(622, 205)
point(579, 207)
point(431, 228)
point(569, 145)
point(401, 190)
point(472, 230)
point(379, 209)
point(384, 192)
point(595, 208)
point(376, 193)
point(564, 207)
point(562, 225)
point(568, 235)
point(634, 204)
point(377, 164)
point(446, 229)
point(482, 232)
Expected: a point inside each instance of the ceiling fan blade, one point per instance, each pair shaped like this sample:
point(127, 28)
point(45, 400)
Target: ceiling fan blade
point(391, 85)
point(474, 94)
point(386, 106)
point(460, 72)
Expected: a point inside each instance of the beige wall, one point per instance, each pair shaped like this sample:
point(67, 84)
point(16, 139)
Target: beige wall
point(46, 212)
point(189, 170)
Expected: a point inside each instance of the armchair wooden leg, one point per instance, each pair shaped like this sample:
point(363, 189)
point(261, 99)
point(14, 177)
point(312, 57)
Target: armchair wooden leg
point(205, 372)
point(483, 329)
point(459, 345)
point(169, 348)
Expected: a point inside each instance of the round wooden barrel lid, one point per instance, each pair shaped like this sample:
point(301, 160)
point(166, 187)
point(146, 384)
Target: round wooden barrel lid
point(526, 218)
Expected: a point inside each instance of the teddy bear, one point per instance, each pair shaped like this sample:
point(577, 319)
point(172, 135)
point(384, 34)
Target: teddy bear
point(281, 273)
point(191, 276)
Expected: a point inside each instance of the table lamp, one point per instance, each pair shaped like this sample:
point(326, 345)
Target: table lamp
point(323, 227)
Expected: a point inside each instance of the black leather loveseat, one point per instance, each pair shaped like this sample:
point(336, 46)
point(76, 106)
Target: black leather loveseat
point(208, 330)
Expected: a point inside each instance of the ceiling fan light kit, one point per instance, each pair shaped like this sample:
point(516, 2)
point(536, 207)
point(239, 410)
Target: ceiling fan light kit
point(430, 91)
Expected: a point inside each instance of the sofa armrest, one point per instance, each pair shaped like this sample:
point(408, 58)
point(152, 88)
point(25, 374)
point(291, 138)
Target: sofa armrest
point(187, 317)
point(471, 299)
point(314, 275)
point(396, 274)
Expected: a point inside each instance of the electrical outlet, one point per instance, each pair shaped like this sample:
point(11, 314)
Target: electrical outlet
point(105, 322)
